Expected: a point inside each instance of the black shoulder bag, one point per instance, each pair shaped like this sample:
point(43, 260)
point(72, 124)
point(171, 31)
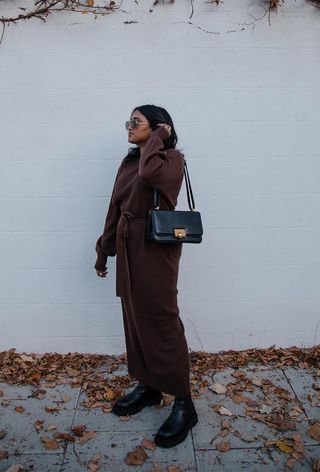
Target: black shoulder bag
point(175, 226)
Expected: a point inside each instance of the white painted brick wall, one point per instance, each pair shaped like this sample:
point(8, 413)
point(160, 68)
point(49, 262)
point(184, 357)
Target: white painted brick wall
point(245, 98)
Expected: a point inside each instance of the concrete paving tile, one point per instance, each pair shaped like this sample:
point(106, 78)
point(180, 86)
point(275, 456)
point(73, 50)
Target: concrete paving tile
point(209, 433)
point(15, 392)
point(149, 419)
point(113, 448)
point(53, 395)
point(252, 460)
point(22, 437)
point(34, 462)
point(302, 382)
point(248, 432)
point(21, 433)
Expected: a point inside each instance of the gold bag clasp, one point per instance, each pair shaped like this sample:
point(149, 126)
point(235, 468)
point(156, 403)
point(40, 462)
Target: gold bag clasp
point(180, 233)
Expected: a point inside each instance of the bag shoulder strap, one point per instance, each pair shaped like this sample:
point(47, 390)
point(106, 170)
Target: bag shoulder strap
point(156, 200)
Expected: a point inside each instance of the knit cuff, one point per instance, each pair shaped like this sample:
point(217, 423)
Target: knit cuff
point(161, 132)
point(101, 262)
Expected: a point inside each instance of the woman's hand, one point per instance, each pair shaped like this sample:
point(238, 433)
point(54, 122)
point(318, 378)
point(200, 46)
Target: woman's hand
point(102, 273)
point(167, 127)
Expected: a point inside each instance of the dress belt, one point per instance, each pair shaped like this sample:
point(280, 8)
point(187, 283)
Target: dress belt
point(127, 216)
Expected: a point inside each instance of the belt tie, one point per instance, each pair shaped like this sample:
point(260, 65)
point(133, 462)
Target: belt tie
point(127, 215)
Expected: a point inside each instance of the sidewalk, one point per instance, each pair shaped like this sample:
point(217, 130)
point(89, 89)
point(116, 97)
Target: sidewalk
point(253, 416)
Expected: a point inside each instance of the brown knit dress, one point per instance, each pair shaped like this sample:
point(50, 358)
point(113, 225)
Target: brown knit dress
point(147, 272)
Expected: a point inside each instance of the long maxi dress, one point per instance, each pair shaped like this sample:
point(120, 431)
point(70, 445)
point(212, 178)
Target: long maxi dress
point(146, 271)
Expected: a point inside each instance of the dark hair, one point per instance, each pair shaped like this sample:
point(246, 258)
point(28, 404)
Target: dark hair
point(156, 115)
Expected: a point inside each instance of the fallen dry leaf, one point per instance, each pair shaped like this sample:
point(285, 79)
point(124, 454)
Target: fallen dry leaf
point(314, 431)
point(107, 408)
point(23, 357)
point(136, 457)
point(20, 409)
point(73, 372)
point(35, 376)
point(79, 429)
point(224, 411)
point(316, 386)
point(52, 409)
point(223, 446)
point(284, 446)
point(2, 434)
point(125, 418)
point(51, 427)
point(298, 445)
point(243, 399)
point(66, 399)
point(257, 381)
point(95, 463)
point(243, 437)
point(1, 392)
point(316, 466)
point(51, 385)
point(174, 468)
point(167, 399)
point(38, 424)
point(49, 443)
point(64, 437)
point(16, 468)
point(225, 424)
point(39, 393)
point(265, 409)
point(295, 412)
point(148, 444)
point(239, 373)
point(109, 395)
point(290, 463)
point(86, 437)
point(3, 455)
point(97, 405)
point(218, 388)
point(269, 442)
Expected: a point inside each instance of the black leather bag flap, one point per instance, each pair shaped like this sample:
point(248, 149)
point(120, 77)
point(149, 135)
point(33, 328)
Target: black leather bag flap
point(176, 226)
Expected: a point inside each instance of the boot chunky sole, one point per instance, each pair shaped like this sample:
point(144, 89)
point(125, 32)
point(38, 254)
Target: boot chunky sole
point(179, 437)
point(136, 400)
point(120, 411)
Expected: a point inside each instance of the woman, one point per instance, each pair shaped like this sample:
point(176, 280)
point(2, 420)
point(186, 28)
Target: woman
point(147, 273)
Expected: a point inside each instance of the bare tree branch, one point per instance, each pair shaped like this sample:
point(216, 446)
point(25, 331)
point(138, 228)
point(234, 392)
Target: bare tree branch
point(43, 8)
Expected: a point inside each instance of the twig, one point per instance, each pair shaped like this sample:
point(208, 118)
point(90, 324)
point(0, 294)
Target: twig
point(192, 8)
point(43, 9)
point(3, 28)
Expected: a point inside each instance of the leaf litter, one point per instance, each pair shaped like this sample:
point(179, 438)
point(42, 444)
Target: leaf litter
point(278, 410)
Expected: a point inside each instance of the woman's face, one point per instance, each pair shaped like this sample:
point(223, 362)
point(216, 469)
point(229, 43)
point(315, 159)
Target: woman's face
point(141, 134)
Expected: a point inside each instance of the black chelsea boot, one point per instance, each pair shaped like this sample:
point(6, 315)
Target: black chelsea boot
point(182, 418)
point(140, 397)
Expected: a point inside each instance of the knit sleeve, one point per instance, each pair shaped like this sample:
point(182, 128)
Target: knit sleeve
point(160, 168)
point(106, 244)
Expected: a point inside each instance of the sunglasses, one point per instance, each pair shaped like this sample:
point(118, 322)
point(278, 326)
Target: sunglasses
point(134, 123)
